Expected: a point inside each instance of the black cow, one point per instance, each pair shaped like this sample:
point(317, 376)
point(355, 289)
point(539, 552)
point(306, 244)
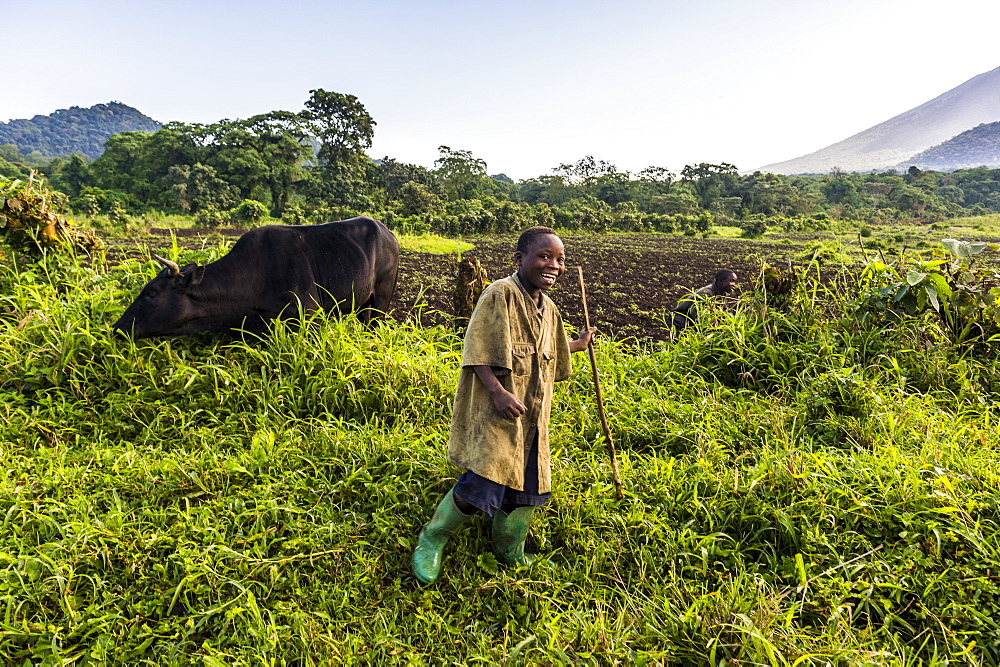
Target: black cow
point(271, 272)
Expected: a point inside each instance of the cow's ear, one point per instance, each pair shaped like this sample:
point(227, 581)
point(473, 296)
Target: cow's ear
point(190, 276)
point(196, 276)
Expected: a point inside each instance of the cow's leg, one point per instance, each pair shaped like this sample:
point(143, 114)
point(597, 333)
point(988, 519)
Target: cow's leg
point(368, 311)
point(385, 287)
point(293, 305)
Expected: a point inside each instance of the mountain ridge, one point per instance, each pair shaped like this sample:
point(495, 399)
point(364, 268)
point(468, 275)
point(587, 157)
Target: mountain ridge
point(81, 130)
point(895, 141)
point(978, 147)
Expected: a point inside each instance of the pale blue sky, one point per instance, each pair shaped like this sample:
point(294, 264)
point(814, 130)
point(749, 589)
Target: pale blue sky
point(523, 85)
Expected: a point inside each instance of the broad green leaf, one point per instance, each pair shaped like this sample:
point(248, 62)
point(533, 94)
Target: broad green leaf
point(933, 264)
point(940, 285)
point(932, 295)
point(914, 277)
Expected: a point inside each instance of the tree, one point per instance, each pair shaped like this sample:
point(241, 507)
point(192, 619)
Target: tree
point(281, 141)
point(551, 190)
point(416, 199)
point(394, 175)
point(585, 169)
point(74, 175)
point(711, 181)
point(614, 187)
point(462, 176)
point(344, 130)
point(10, 153)
point(260, 158)
point(198, 187)
point(115, 169)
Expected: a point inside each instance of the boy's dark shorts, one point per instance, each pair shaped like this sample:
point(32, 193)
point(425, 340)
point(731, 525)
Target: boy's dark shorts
point(489, 496)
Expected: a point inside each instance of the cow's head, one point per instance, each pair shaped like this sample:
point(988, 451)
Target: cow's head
point(167, 305)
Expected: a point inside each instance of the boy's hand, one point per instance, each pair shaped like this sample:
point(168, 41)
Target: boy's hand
point(581, 343)
point(507, 404)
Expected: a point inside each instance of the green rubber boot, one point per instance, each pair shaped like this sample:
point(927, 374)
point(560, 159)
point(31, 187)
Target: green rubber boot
point(509, 533)
point(427, 556)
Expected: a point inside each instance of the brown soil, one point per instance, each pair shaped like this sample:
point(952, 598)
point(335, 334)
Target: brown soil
point(632, 280)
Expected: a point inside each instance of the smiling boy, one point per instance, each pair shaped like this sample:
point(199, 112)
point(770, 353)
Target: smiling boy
point(515, 350)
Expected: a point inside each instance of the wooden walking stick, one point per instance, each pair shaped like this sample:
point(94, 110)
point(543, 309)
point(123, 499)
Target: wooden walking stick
point(597, 393)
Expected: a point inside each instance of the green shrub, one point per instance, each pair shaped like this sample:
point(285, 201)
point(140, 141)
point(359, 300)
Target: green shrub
point(294, 214)
point(249, 213)
point(210, 217)
point(753, 226)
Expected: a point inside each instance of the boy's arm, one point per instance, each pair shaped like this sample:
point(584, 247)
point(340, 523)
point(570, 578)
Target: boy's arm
point(684, 305)
point(506, 403)
point(581, 343)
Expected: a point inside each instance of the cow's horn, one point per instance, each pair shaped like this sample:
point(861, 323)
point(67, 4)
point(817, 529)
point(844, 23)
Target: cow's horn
point(174, 269)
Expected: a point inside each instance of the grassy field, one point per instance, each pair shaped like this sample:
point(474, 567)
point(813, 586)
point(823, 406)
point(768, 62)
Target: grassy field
point(806, 484)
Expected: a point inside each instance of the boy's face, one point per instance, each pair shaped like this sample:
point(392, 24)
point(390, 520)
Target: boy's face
point(542, 264)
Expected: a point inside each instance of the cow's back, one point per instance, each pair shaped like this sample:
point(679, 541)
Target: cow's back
point(347, 260)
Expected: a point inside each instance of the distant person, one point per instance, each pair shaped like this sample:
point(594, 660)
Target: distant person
point(515, 350)
point(686, 312)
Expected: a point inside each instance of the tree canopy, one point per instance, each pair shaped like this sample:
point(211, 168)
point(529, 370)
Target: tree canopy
point(312, 165)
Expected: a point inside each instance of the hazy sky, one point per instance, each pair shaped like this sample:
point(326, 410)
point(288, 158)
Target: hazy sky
point(523, 84)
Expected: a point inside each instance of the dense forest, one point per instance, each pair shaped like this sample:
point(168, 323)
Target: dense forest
point(74, 130)
point(972, 148)
point(312, 165)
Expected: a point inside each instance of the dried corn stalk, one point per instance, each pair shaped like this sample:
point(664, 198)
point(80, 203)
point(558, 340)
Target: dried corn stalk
point(470, 281)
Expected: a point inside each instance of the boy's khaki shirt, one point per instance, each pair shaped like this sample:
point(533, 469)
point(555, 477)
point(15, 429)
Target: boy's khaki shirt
point(529, 351)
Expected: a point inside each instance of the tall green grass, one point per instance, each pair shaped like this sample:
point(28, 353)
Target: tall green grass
point(800, 489)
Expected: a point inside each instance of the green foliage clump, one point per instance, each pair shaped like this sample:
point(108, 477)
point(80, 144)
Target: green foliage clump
point(962, 292)
point(754, 226)
point(248, 213)
point(210, 216)
point(293, 214)
point(824, 252)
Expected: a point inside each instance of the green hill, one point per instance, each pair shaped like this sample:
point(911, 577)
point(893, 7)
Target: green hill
point(74, 130)
point(977, 147)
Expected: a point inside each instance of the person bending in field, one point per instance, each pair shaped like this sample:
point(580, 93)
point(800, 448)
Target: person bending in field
point(515, 350)
point(686, 312)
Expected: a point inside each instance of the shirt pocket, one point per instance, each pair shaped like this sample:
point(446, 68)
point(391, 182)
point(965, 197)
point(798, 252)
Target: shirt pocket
point(522, 355)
